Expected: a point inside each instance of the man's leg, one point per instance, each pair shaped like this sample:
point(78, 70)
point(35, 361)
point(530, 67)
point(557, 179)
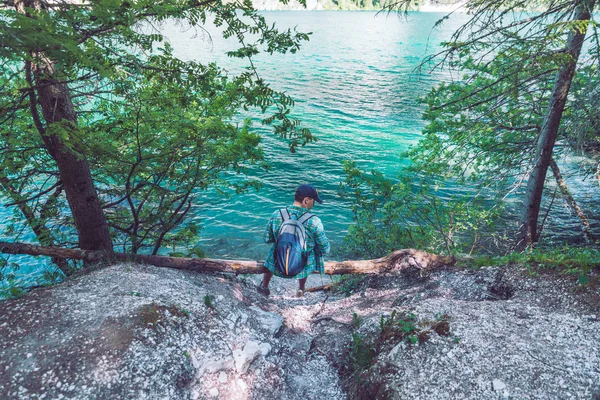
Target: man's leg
point(266, 279)
point(263, 287)
point(302, 283)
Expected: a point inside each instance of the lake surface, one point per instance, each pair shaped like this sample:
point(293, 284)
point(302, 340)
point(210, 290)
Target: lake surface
point(355, 87)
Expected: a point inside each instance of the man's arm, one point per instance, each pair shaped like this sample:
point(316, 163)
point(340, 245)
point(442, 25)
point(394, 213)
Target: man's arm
point(321, 241)
point(268, 235)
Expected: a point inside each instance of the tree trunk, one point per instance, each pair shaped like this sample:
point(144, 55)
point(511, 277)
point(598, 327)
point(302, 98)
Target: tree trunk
point(528, 234)
point(587, 229)
point(400, 260)
point(60, 118)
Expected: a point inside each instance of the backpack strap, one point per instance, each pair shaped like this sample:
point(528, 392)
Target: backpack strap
point(285, 214)
point(305, 217)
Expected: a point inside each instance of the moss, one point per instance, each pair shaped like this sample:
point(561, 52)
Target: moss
point(154, 314)
point(442, 328)
point(576, 261)
point(149, 314)
point(424, 336)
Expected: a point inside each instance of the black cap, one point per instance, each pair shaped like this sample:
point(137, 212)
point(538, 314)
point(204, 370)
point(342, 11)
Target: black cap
point(309, 191)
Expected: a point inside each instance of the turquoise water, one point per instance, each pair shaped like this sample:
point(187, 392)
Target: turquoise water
point(355, 87)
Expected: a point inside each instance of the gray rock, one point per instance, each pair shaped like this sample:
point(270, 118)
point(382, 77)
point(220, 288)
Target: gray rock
point(300, 343)
point(244, 357)
point(269, 321)
point(498, 385)
point(265, 348)
point(214, 365)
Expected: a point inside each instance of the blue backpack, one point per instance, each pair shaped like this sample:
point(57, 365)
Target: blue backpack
point(290, 245)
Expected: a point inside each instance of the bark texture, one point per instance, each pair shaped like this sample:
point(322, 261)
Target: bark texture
point(528, 233)
point(57, 108)
point(52, 96)
point(397, 261)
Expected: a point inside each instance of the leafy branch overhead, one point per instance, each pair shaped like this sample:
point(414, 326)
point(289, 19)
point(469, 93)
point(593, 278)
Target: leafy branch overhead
point(94, 93)
point(524, 98)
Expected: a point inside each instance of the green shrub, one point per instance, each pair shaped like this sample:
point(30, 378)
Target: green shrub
point(575, 261)
point(209, 301)
point(362, 353)
point(398, 327)
point(407, 212)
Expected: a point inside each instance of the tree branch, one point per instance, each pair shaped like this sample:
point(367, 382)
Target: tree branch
point(587, 230)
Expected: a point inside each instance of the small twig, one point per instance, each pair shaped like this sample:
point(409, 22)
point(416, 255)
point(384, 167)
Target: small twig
point(38, 195)
point(320, 351)
point(316, 321)
point(319, 288)
point(322, 307)
point(545, 363)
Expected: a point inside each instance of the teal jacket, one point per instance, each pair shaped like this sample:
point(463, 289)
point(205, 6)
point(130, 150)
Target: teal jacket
point(316, 242)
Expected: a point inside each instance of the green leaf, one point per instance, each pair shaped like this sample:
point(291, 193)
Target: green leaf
point(583, 279)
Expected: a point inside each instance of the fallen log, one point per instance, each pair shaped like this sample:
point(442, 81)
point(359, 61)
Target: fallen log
point(397, 261)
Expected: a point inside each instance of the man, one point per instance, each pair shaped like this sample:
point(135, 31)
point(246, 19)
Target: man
point(316, 241)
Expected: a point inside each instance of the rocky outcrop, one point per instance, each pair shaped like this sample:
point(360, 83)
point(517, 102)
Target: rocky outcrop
point(133, 331)
point(509, 336)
